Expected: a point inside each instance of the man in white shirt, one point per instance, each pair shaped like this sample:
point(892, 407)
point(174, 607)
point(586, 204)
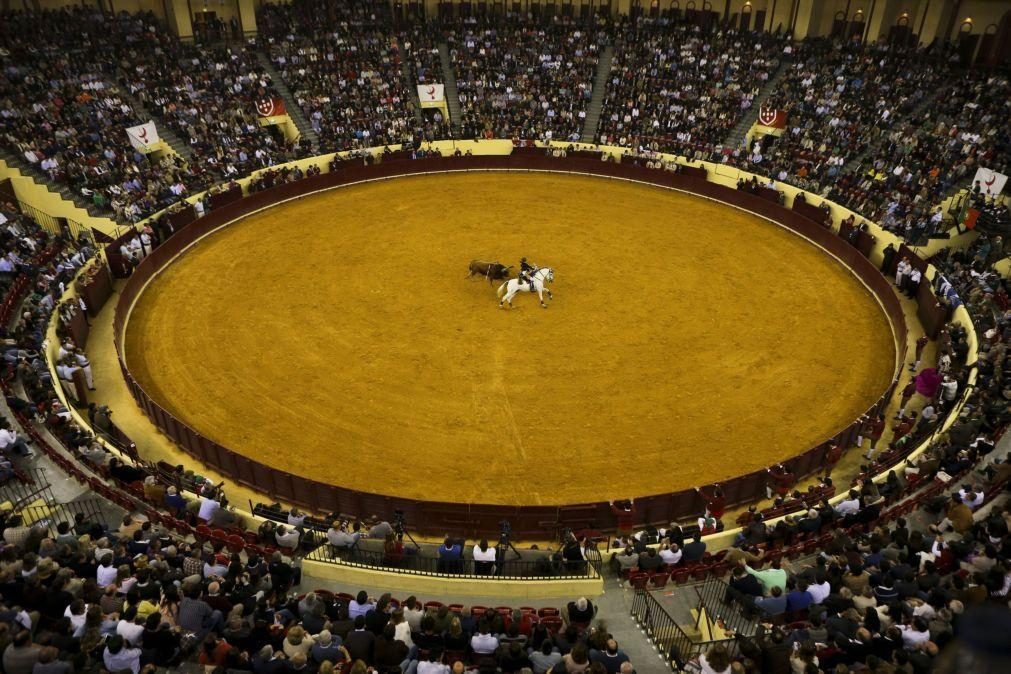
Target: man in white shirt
point(484, 560)
point(671, 555)
point(9, 440)
point(971, 498)
point(118, 656)
point(819, 591)
point(130, 628)
point(286, 538)
point(207, 507)
point(484, 643)
point(107, 573)
point(850, 506)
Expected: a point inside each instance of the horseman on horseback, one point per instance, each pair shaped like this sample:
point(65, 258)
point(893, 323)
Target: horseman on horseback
point(526, 272)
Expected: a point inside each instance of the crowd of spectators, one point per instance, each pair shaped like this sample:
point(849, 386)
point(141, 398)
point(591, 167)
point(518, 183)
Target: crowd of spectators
point(520, 78)
point(62, 111)
point(674, 88)
point(840, 100)
point(343, 66)
point(421, 52)
point(208, 96)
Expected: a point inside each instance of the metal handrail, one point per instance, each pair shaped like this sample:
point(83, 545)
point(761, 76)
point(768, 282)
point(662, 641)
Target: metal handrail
point(412, 560)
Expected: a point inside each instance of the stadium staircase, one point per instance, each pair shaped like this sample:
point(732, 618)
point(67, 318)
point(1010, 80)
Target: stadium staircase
point(178, 145)
point(873, 149)
point(412, 86)
point(740, 131)
point(597, 99)
point(40, 178)
point(33, 499)
point(294, 111)
point(452, 95)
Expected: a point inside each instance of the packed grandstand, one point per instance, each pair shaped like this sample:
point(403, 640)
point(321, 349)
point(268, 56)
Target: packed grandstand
point(906, 573)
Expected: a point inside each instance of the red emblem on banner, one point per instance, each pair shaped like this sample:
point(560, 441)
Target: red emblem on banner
point(772, 117)
point(270, 107)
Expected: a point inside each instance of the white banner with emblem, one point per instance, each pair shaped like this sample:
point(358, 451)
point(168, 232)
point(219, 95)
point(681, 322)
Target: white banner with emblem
point(990, 182)
point(143, 137)
point(433, 96)
point(431, 93)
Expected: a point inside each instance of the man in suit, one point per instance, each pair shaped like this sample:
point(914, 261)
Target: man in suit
point(694, 551)
point(743, 587)
point(360, 642)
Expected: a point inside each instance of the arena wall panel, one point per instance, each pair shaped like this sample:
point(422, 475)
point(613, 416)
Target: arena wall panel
point(437, 518)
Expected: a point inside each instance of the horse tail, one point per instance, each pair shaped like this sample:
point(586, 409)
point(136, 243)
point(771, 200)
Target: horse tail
point(502, 288)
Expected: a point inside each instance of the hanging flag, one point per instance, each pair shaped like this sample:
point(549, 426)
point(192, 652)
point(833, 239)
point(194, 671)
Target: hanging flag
point(431, 93)
point(971, 216)
point(270, 107)
point(990, 182)
point(772, 117)
point(143, 136)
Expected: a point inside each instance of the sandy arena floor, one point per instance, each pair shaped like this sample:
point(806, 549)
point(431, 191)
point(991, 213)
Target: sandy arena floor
point(336, 337)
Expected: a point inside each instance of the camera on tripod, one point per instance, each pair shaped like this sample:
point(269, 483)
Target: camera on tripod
point(505, 531)
point(399, 525)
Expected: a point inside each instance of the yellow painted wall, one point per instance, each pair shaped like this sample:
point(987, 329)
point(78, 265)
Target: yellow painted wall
point(51, 203)
point(441, 586)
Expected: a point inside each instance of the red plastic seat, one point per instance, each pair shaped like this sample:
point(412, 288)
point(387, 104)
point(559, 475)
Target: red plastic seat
point(475, 611)
point(547, 612)
point(660, 579)
point(235, 543)
point(639, 581)
point(719, 570)
point(202, 533)
point(433, 604)
point(552, 623)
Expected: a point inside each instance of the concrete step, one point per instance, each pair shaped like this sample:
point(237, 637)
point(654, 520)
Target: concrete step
point(294, 110)
point(589, 134)
point(178, 145)
point(452, 94)
point(740, 130)
point(874, 148)
point(412, 86)
point(39, 178)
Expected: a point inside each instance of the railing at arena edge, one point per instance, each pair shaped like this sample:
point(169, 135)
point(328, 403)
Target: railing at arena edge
point(463, 522)
point(413, 561)
point(463, 518)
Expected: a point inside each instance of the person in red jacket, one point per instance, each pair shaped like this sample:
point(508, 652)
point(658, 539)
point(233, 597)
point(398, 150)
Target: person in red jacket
point(875, 429)
point(921, 343)
point(832, 457)
point(907, 393)
point(625, 512)
point(781, 480)
point(716, 502)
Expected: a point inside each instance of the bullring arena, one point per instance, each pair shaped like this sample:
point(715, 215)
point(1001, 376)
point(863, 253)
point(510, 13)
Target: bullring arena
point(684, 334)
point(271, 406)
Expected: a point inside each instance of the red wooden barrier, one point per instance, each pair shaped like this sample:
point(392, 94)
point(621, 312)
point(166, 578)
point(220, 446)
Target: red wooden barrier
point(434, 518)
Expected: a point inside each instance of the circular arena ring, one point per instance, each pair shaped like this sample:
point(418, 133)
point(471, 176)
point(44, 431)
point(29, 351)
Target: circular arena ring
point(331, 351)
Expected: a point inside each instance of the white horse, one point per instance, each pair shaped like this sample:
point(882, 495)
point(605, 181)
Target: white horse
point(538, 284)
